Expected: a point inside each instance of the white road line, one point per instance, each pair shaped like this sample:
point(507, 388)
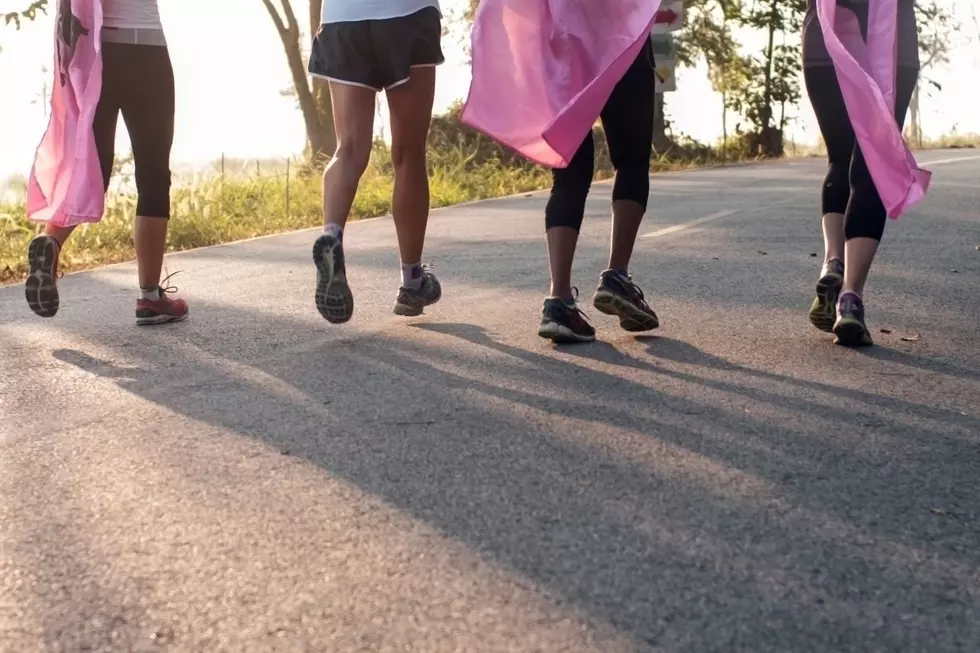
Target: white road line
point(944, 161)
point(687, 225)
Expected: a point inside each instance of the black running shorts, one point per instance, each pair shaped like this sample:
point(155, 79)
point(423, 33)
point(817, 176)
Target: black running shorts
point(377, 54)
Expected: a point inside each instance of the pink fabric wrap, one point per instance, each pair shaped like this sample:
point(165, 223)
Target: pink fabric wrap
point(65, 186)
point(866, 72)
point(543, 69)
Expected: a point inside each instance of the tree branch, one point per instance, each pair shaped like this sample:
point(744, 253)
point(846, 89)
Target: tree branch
point(276, 18)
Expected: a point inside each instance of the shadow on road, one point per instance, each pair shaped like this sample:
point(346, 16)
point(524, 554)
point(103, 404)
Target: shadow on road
point(670, 490)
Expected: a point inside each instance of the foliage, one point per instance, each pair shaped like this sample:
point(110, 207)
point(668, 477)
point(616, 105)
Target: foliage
point(30, 13)
point(217, 208)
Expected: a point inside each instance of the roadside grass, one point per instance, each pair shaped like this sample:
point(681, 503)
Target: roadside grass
point(236, 200)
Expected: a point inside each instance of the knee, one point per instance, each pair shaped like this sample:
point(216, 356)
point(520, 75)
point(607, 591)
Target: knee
point(633, 184)
point(836, 188)
point(153, 191)
point(404, 155)
point(566, 205)
point(353, 154)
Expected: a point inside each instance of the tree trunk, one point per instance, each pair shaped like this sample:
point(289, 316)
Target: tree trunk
point(766, 113)
point(660, 141)
point(321, 91)
point(916, 135)
point(320, 135)
point(724, 127)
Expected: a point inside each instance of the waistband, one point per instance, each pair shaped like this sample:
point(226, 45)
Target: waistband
point(134, 36)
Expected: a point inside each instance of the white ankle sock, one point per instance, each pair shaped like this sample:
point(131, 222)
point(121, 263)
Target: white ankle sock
point(150, 294)
point(334, 230)
point(412, 275)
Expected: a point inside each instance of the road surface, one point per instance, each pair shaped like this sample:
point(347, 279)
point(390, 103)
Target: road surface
point(256, 479)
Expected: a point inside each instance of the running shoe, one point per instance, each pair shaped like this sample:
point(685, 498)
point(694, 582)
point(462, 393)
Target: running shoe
point(618, 296)
point(411, 302)
point(563, 322)
point(823, 312)
point(41, 287)
point(163, 310)
point(850, 329)
point(333, 296)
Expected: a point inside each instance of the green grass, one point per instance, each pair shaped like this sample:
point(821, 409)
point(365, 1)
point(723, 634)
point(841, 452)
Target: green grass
point(260, 198)
point(212, 210)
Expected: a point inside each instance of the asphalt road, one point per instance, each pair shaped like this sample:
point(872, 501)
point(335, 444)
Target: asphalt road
point(256, 479)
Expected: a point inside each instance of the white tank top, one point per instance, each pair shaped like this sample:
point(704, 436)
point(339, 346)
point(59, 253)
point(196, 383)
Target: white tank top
point(131, 14)
point(342, 11)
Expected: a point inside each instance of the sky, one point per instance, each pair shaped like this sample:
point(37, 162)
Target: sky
point(231, 70)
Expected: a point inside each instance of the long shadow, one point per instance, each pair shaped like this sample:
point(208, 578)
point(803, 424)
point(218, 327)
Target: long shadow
point(48, 544)
point(687, 525)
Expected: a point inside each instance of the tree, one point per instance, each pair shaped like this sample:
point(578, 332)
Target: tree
point(709, 37)
point(30, 13)
point(774, 77)
point(313, 97)
point(935, 25)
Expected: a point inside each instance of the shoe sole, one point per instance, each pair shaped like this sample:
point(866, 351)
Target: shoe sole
point(631, 317)
point(823, 313)
point(561, 334)
point(333, 298)
point(851, 333)
point(41, 287)
point(157, 320)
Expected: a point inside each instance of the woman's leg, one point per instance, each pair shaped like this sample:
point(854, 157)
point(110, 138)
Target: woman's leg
point(44, 252)
point(561, 320)
point(627, 121)
point(353, 120)
point(864, 224)
point(835, 127)
point(148, 106)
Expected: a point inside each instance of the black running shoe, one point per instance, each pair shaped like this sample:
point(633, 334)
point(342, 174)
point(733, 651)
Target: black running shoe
point(564, 322)
point(41, 287)
point(823, 312)
point(617, 295)
point(850, 329)
point(411, 302)
point(333, 296)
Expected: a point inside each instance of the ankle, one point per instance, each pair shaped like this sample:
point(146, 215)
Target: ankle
point(151, 294)
point(412, 275)
point(335, 230)
point(566, 295)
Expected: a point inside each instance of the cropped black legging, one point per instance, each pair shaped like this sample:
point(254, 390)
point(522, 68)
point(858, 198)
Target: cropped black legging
point(848, 187)
point(138, 81)
point(627, 120)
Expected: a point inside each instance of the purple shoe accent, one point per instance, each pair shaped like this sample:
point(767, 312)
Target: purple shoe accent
point(850, 303)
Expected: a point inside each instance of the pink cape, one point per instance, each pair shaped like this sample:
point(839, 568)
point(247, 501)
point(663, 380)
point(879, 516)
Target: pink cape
point(543, 69)
point(65, 186)
point(866, 73)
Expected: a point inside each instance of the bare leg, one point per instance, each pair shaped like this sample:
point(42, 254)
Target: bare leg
point(627, 216)
point(411, 112)
point(60, 234)
point(561, 254)
point(150, 237)
point(859, 253)
point(833, 236)
point(353, 118)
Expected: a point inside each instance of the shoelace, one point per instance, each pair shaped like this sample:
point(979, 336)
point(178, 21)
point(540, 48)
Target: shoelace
point(575, 307)
point(628, 282)
point(168, 290)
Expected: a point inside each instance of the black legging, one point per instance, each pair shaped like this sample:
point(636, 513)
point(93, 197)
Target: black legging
point(627, 120)
point(848, 187)
point(138, 81)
